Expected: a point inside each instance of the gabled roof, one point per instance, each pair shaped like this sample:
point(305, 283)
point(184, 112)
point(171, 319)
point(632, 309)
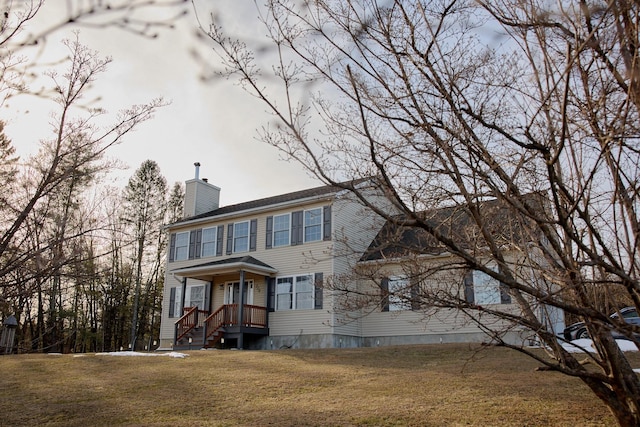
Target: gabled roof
point(267, 201)
point(223, 266)
point(396, 240)
point(316, 192)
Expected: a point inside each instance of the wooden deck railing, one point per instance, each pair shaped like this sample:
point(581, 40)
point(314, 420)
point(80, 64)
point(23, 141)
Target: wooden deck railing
point(253, 316)
point(191, 318)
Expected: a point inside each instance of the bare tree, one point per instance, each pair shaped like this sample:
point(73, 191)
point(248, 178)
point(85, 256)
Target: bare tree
point(76, 154)
point(525, 111)
point(42, 226)
point(47, 244)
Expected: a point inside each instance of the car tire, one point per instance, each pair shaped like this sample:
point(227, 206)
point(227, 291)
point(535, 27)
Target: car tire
point(582, 334)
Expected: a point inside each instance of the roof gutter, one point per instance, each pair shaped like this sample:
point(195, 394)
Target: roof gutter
point(265, 208)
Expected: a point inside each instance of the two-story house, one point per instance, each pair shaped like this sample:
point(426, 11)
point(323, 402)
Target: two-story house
point(266, 274)
point(250, 275)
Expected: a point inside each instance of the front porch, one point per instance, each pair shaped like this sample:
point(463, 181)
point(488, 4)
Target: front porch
point(230, 322)
point(217, 305)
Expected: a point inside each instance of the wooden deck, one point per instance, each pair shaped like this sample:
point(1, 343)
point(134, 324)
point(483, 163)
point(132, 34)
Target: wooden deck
point(197, 328)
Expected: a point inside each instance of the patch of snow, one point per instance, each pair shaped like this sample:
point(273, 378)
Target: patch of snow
point(586, 345)
point(139, 354)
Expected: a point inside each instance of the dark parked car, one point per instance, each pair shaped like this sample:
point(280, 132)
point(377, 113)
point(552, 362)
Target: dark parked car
point(579, 330)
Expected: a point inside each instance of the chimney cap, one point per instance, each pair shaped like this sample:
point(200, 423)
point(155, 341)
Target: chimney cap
point(196, 164)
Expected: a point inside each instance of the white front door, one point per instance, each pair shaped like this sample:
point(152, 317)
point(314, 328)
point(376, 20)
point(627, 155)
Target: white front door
point(232, 292)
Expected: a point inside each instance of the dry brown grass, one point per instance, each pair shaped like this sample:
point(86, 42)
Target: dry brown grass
point(395, 386)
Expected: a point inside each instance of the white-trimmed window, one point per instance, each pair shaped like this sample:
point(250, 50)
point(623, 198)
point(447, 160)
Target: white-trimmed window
point(209, 241)
point(295, 292)
point(313, 225)
point(195, 296)
point(241, 236)
point(175, 301)
point(182, 246)
point(482, 289)
point(399, 293)
point(281, 230)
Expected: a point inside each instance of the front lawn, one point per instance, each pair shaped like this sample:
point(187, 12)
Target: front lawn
point(431, 385)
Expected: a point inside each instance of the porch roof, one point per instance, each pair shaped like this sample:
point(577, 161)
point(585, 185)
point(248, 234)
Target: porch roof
point(225, 266)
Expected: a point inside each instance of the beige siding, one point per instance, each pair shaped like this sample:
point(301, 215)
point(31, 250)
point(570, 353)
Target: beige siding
point(303, 322)
point(200, 197)
point(403, 323)
point(308, 258)
point(207, 197)
point(354, 228)
point(190, 198)
point(442, 321)
point(167, 324)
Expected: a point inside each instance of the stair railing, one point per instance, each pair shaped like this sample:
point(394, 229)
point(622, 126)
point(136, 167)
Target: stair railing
point(227, 315)
point(214, 322)
point(187, 322)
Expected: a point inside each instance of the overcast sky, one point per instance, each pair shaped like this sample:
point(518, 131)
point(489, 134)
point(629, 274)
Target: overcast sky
point(214, 123)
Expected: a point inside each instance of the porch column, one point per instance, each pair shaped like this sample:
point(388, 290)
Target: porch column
point(241, 310)
point(183, 296)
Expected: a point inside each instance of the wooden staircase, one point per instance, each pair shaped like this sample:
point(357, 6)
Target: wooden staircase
point(198, 339)
point(198, 329)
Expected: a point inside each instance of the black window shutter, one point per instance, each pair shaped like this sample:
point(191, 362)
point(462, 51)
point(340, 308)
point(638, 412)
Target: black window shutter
point(198, 242)
point(229, 239)
point(319, 291)
point(220, 236)
point(384, 287)
point(172, 247)
point(326, 218)
point(297, 227)
point(415, 293)
point(172, 302)
point(468, 288)
point(192, 244)
point(253, 234)
point(505, 297)
point(269, 235)
point(271, 293)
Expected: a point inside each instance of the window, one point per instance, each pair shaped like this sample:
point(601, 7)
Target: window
point(295, 293)
point(195, 297)
point(281, 232)
point(209, 240)
point(175, 301)
point(313, 225)
point(399, 293)
point(481, 289)
point(182, 246)
point(241, 236)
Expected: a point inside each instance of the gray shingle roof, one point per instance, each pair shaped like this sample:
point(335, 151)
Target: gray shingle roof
point(502, 222)
point(273, 200)
point(236, 260)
